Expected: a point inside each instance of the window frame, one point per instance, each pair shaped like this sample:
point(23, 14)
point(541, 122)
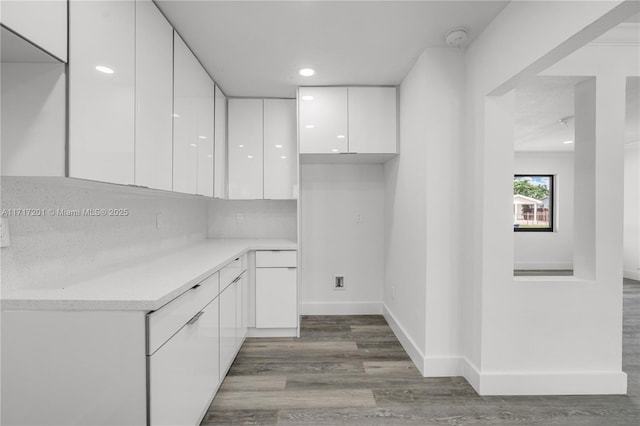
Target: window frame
point(552, 202)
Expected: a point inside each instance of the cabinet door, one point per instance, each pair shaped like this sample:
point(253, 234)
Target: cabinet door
point(241, 310)
point(227, 328)
point(185, 118)
point(101, 90)
point(43, 23)
point(280, 149)
point(220, 154)
point(372, 120)
point(245, 149)
point(184, 373)
point(154, 98)
point(323, 120)
point(276, 298)
point(205, 104)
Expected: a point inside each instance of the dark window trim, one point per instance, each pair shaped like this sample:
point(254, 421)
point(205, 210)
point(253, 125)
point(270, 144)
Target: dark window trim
point(552, 203)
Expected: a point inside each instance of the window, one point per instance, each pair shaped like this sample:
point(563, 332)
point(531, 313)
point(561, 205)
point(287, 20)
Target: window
point(533, 203)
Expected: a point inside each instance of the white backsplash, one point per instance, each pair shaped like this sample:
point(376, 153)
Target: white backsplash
point(259, 219)
point(49, 249)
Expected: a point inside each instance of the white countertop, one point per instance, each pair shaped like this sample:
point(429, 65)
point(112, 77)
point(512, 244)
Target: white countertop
point(144, 286)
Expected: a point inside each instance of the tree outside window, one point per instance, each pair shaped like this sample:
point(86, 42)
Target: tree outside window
point(533, 203)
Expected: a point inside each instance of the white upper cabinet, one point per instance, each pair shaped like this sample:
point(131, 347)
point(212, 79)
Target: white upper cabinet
point(245, 149)
point(193, 118)
point(206, 134)
point(43, 23)
point(323, 120)
point(154, 98)
point(372, 120)
point(280, 149)
point(101, 90)
point(220, 155)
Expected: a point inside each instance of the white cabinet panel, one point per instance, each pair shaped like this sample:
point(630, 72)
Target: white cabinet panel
point(154, 98)
point(184, 373)
point(185, 118)
point(372, 120)
point(245, 149)
point(220, 155)
point(323, 120)
point(276, 298)
point(101, 103)
point(227, 327)
point(43, 23)
point(241, 310)
point(280, 149)
point(206, 135)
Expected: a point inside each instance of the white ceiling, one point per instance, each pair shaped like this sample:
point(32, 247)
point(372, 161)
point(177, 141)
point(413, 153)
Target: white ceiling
point(542, 102)
point(255, 48)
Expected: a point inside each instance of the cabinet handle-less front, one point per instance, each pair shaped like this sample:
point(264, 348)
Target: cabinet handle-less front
point(195, 318)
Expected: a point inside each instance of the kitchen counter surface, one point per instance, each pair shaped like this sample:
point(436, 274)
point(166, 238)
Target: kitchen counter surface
point(145, 285)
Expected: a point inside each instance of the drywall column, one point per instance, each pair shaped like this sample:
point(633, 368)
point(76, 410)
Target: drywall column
point(632, 211)
point(584, 221)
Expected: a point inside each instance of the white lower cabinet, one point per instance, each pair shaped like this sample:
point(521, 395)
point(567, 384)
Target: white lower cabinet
point(227, 327)
point(184, 372)
point(276, 289)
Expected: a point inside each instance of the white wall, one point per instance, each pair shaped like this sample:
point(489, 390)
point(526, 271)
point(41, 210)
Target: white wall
point(48, 250)
point(423, 214)
point(33, 119)
point(548, 250)
point(537, 336)
point(632, 211)
point(259, 219)
point(333, 241)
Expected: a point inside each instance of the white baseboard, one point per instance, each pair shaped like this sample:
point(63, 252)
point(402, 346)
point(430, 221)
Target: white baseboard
point(341, 308)
point(631, 275)
point(543, 265)
point(406, 341)
point(573, 383)
point(272, 332)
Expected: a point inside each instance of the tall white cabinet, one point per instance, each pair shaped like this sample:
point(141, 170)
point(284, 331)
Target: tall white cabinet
point(101, 90)
point(262, 149)
point(193, 118)
point(154, 98)
point(245, 149)
point(280, 149)
point(220, 148)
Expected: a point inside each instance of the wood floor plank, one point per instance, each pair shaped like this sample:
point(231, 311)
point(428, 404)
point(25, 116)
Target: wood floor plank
point(246, 400)
point(299, 347)
point(240, 417)
point(278, 368)
point(390, 368)
point(253, 383)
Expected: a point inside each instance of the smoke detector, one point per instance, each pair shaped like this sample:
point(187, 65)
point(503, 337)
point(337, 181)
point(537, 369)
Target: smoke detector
point(455, 37)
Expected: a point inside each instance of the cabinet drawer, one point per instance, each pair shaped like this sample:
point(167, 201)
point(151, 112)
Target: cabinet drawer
point(276, 259)
point(230, 272)
point(166, 321)
point(184, 373)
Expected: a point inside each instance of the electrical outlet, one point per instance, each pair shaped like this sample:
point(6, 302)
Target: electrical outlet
point(338, 283)
point(239, 217)
point(159, 221)
point(358, 218)
point(5, 240)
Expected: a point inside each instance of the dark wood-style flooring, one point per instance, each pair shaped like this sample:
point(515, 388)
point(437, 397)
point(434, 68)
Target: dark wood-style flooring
point(352, 370)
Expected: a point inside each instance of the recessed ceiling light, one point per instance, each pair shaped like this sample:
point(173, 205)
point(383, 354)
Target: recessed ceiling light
point(209, 156)
point(283, 157)
point(249, 156)
point(202, 137)
point(567, 142)
point(335, 150)
point(310, 126)
point(104, 69)
point(306, 72)
point(340, 136)
point(307, 98)
point(193, 144)
point(240, 146)
point(278, 146)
